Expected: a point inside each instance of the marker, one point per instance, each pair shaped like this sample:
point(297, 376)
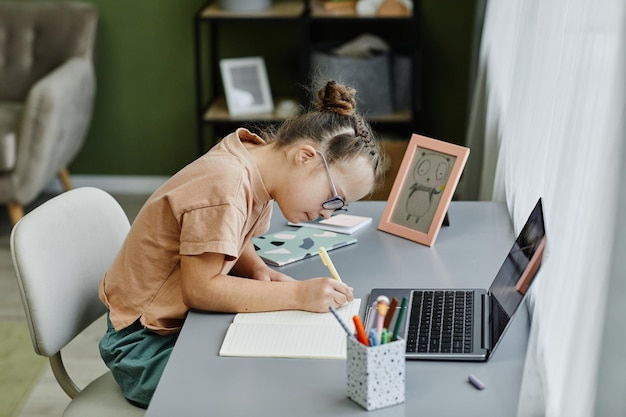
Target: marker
point(329, 264)
point(343, 324)
point(383, 307)
point(360, 331)
point(399, 320)
point(373, 338)
point(392, 311)
point(476, 382)
point(384, 337)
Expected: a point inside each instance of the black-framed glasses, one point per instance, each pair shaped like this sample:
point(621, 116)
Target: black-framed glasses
point(336, 202)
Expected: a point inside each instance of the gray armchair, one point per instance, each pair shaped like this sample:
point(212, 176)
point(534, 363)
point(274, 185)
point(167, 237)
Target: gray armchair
point(47, 89)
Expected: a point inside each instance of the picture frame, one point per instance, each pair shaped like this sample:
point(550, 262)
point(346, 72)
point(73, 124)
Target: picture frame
point(423, 188)
point(246, 86)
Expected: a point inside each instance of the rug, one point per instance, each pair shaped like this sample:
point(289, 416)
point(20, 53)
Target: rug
point(20, 367)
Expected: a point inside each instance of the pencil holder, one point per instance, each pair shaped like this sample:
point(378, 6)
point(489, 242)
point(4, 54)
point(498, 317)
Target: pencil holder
point(376, 374)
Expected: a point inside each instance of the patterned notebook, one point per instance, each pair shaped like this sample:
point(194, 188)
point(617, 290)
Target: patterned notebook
point(289, 246)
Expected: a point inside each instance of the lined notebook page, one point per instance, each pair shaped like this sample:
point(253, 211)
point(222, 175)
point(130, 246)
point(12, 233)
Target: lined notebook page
point(289, 334)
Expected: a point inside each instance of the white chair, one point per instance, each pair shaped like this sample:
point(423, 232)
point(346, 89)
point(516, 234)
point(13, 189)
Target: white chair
point(60, 251)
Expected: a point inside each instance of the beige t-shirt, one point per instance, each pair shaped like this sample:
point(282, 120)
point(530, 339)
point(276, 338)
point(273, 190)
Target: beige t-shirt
point(215, 204)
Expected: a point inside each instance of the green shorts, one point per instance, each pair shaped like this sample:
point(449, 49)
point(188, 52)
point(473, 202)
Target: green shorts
point(136, 357)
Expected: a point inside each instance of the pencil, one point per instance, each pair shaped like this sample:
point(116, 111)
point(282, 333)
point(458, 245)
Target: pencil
point(343, 324)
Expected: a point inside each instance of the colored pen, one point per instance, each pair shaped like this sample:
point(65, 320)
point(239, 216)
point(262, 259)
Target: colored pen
point(399, 319)
point(373, 337)
point(329, 263)
point(343, 324)
point(360, 331)
point(392, 311)
point(382, 307)
point(384, 337)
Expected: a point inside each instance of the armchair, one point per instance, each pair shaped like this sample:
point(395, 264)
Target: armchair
point(47, 89)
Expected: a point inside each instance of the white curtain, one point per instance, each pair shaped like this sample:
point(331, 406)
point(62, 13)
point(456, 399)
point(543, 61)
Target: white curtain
point(547, 120)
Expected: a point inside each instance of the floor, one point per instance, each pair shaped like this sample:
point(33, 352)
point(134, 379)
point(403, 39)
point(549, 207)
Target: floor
point(81, 357)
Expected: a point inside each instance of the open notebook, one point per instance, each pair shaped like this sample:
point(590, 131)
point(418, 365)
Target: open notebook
point(289, 334)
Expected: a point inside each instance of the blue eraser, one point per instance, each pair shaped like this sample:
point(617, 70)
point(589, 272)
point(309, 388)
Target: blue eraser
point(476, 382)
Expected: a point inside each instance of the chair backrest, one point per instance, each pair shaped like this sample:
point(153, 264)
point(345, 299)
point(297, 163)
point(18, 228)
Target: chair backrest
point(37, 37)
point(60, 252)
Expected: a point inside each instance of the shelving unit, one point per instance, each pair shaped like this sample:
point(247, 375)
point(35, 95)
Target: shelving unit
point(308, 28)
point(401, 32)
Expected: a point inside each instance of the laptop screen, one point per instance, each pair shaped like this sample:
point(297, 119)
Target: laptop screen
point(516, 273)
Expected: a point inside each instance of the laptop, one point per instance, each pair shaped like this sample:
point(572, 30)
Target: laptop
point(468, 324)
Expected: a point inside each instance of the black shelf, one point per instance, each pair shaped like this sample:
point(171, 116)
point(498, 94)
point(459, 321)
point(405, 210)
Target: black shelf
point(298, 20)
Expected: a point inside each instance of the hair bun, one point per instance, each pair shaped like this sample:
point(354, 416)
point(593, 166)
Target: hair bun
point(337, 98)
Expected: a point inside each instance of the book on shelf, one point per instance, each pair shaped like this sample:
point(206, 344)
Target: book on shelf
point(340, 223)
point(289, 334)
point(287, 246)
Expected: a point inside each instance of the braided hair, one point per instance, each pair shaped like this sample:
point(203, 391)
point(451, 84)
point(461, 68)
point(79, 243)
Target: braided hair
point(333, 124)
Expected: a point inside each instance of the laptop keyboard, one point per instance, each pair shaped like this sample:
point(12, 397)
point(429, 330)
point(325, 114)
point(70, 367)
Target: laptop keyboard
point(441, 321)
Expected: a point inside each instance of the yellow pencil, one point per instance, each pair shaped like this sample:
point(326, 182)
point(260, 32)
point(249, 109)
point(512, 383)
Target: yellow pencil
point(329, 264)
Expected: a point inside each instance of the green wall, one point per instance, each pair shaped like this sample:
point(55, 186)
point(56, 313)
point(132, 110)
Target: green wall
point(144, 120)
point(446, 29)
point(144, 112)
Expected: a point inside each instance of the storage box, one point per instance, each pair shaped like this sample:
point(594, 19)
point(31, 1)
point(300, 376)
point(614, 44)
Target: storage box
point(376, 375)
point(245, 5)
point(401, 70)
point(370, 76)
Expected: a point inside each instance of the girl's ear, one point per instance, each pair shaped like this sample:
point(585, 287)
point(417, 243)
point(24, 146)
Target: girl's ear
point(304, 154)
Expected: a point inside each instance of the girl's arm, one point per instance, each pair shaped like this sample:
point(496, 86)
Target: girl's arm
point(205, 288)
point(250, 265)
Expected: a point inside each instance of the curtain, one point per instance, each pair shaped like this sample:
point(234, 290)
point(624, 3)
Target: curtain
point(546, 120)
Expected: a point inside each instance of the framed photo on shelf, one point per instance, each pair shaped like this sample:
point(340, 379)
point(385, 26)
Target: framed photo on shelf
point(423, 188)
point(246, 86)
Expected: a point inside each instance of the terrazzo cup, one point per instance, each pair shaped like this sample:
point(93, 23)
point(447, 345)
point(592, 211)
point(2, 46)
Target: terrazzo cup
point(376, 374)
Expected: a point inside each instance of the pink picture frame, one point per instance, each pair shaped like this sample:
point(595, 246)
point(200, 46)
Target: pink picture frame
point(423, 188)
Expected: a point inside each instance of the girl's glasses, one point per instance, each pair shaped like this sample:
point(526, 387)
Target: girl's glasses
point(336, 202)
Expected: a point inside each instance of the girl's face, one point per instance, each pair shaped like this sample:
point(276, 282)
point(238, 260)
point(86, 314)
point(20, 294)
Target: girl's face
point(301, 196)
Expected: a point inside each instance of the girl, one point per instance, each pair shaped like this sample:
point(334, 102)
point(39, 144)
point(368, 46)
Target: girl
point(190, 245)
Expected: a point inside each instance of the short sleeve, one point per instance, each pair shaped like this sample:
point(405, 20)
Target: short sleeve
point(214, 229)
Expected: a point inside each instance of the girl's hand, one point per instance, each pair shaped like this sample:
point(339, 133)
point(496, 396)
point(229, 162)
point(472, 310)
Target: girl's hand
point(318, 294)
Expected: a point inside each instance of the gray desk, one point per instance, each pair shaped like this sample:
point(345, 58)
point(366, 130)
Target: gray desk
point(468, 253)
